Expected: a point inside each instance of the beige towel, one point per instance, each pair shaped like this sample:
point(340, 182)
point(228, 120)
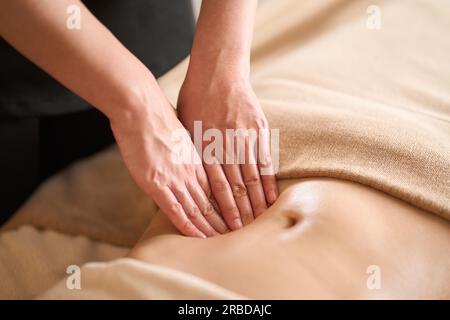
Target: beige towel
point(132, 279)
point(96, 198)
point(371, 106)
point(32, 261)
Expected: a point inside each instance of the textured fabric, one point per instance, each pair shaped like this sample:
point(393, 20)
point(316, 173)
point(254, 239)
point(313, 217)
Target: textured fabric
point(367, 106)
point(352, 103)
point(32, 261)
point(131, 279)
point(370, 106)
point(96, 198)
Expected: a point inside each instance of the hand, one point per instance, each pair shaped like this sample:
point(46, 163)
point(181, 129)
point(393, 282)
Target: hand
point(230, 103)
point(145, 139)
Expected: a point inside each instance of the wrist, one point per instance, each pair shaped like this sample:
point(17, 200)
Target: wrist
point(146, 111)
point(224, 61)
point(134, 100)
point(220, 70)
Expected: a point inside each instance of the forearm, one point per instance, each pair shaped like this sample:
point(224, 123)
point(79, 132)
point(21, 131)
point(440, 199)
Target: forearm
point(224, 35)
point(90, 61)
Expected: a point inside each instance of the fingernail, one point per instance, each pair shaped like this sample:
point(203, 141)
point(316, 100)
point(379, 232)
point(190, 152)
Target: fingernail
point(272, 196)
point(236, 224)
point(200, 234)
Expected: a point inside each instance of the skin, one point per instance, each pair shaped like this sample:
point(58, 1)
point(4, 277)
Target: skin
point(95, 65)
point(217, 91)
point(317, 242)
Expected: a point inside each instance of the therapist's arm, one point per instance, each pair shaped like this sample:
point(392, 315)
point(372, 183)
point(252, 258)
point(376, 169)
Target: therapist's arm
point(95, 65)
point(217, 91)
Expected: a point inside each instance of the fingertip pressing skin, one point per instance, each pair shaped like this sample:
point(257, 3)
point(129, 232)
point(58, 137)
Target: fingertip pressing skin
point(190, 230)
point(236, 224)
point(270, 188)
point(232, 218)
point(169, 204)
point(268, 177)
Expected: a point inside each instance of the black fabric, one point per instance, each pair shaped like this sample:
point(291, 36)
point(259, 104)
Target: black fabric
point(33, 149)
point(66, 138)
point(19, 174)
point(44, 127)
point(158, 32)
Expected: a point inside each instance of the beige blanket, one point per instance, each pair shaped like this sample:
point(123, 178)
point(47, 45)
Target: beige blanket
point(370, 106)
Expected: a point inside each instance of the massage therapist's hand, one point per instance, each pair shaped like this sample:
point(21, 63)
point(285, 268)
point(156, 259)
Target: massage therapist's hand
point(145, 139)
point(96, 66)
point(223, 102)
point(217, 92)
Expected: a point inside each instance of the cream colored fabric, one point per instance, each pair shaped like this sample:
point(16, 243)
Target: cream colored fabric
point(95, 197)
point(371, 106)
point(132, 279)
point(31, 261)
point(34, 263)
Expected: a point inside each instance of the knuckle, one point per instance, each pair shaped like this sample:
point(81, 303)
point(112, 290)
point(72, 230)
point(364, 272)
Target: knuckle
point(193, 212)
point(178, 191)
point(191, 170)
point(154, 175)
point(265, 161)
point(220, 186)
point(239, 190)
point(208, 210)
point(260, 123)
point(155, 178)
point(175, 208)
point(252, 181)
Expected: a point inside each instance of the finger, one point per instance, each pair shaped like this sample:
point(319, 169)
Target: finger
point(222, 193)
point(266, 170)
point(239, 190)
point(202, 180)
point(252, 181)
point(192, 211)
point(206, 208)
point(169, 204)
